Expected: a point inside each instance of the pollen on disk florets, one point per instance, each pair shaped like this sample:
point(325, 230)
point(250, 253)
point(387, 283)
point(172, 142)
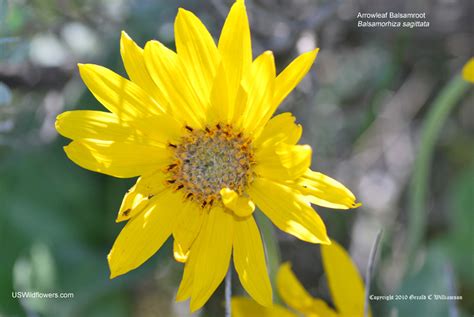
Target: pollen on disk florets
point(211, 159)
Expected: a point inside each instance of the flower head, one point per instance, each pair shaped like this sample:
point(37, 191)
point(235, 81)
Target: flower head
point(345, 285)
point(196, 126)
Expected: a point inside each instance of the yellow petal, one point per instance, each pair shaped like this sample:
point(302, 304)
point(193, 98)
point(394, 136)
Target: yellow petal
point(325, 191)
point(468, 71)
point(294, 295)
point(249, 261)
point(139, 196)
point(87, 124)
point(283, 161)
point(117, 159)
point(260, 85)
point(129, 102)
point(134, 62)
point(143, 235)
point(239, 107)
point(288, 210)
point(167, 73)
point(186, 286)
point(197, 52)
point(291, 290)
point(235, 47)
point(245, 307)
point(281, 128)
point(180, 254)
point(121, 96)
point(292, 75)
point(319, 308)
point(188, 225)
point(284, 84)
point(345, 282)
point(212, 250)
point(240, 205)
point(220, 109)
point(99, 125)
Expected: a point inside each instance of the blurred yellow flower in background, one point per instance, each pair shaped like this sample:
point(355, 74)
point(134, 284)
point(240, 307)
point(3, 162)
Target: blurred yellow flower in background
point(468, 71)
point(197, 127)
point(345, 285)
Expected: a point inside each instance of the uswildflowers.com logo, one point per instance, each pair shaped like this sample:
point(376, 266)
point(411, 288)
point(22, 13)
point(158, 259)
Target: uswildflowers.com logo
point(41, 295)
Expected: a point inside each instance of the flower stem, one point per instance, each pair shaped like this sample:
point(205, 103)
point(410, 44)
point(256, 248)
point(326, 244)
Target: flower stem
point(437, 115)
point(228, 293)
point(370, 271)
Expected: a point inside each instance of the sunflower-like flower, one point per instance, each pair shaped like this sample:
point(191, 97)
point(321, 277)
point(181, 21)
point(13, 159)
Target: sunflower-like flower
point(345, 284)
point(196, 125)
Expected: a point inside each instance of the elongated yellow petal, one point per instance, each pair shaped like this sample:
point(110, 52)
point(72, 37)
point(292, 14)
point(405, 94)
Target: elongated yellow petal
point(325, 191)
point(99, 125)
point(283, 161)
point(245, 307)
point(88, 124)
point(143, 235)
point(281, 128)
point(220, 109)
point(345, 282)
point(249, 261)
point(117, 159)
point(167, 73)
point(288, 210)
point(134, 62)
point(121, 96)
point(197, 52)
point(129, 102)
point(179, 252)
point(291, 290)
point(139, 196)
point(186, 286)
point(239, 108)
point(295, 295)
point(240, 205)
point(292, 75)
point(188, 225)
point(214, 246)
point(260, 86)
point(284, 84)
point(321, 309)
point(235, 48)
point(132, 204)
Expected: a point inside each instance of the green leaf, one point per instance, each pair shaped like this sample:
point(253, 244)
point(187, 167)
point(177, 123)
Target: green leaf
point(432, 279)
point(458, 242)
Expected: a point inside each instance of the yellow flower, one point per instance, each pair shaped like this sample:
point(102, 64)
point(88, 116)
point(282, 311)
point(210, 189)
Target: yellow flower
point(345, 284)
point(197, 127)
point(468, 71)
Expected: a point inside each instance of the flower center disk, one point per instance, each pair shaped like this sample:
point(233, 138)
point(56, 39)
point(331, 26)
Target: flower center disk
point(208, 160)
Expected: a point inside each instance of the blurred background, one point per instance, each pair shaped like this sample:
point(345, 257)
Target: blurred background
point(383, 108)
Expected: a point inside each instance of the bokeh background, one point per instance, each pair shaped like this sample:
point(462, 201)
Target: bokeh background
point(366, 107)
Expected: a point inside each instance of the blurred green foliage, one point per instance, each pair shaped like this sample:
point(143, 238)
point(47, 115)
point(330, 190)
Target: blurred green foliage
point(373, 91)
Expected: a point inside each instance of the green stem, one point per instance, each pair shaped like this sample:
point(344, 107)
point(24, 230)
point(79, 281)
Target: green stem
point(228, 293)
point(447, 99)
